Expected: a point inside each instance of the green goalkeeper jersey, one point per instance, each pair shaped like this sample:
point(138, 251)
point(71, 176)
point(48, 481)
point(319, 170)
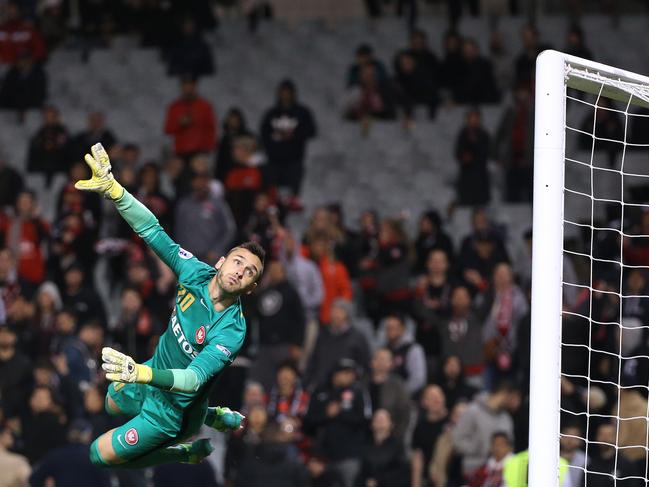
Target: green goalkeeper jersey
point(197, 337)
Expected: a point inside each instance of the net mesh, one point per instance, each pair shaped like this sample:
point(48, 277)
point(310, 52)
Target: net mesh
point(605, 326)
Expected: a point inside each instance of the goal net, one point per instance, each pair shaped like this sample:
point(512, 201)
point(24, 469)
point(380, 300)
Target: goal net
point(590, 290)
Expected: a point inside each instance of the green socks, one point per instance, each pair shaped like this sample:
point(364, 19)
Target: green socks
point(184, 452)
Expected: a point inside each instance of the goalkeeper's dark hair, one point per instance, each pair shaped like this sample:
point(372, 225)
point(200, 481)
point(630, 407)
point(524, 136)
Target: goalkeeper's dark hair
point(254, 248)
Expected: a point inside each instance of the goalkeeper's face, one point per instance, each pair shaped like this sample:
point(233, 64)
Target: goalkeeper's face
point(238, 271)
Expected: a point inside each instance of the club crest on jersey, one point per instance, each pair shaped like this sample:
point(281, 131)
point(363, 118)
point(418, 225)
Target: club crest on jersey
point(184, 254)
point(132, 437)
point(200, 335)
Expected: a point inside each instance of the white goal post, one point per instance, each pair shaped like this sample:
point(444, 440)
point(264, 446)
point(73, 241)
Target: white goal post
point(555, 73)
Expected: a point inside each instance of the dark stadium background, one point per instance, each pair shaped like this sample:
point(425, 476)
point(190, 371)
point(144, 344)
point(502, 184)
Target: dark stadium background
point(380, 151)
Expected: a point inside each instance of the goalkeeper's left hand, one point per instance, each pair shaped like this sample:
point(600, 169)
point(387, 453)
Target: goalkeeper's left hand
point(122, 368)
point(102, 180)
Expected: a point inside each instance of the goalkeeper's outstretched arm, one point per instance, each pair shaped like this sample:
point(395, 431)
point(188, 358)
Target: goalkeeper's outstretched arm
point(138, 216)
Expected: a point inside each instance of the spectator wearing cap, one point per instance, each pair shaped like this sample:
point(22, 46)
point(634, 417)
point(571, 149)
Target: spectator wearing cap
point(191, 121)
point(204, 224)
point(14, 467)
point(285, 130)
point(70, 465)
point(338, 416)
point(472, 153)
point(19, 35)
point(340, 339)
point(25, 233)
point(408, 355)
point(49, 147)
point(278, 313)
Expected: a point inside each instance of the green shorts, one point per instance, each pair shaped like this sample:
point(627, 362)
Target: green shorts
point(154, 423)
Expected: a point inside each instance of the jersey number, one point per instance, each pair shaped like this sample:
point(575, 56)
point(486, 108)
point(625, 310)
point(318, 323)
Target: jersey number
point(184, 298)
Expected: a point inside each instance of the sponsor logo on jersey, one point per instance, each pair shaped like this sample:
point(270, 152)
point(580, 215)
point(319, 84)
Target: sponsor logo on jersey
point(184, 254)
point(131, 436)
point(182, 339)
point(227, 352)
point(200, 335)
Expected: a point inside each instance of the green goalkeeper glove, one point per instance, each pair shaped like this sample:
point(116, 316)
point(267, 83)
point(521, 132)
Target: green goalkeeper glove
point(225, 419)
point(122, 368)
point(102, 180)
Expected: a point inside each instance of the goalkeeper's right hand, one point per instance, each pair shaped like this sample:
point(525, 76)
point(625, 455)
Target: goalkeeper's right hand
point(122, 368)
point(102, 180)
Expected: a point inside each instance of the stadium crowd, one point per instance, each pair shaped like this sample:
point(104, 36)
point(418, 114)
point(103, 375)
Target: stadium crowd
point(374, 358)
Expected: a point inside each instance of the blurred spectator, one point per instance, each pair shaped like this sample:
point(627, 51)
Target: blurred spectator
point(253, 397)
point(87, 205)
point(191, 121)
point(19, 35)
point(243, 443)
point(245, 178)
point(445, 467)
point(472, 154)
point(335, 277)
point(338, 416)
point(451, 68)
point(173, 474)
point(384, 460)
point(417, 72)
point(24, 86)
point(11, 183)
point(491, 473)
point(24, 234)
point(485, 416)
point(480, 251)
point(150, 193)
point(80, 297)
point(370, 98)
point(461, 334)
point(455, 10)
point(285, 129)
point(320, 475)
point(571, 448)
point(234, 126)
point(15, 375)
point(393, 267)
point(477, 78)
point(430, 425)
point(279, 316)
point(48, 147)
point(337, 340)
point(525, 62)
point(263, 226)
point(347, 239)
point(135, 326)
point(452, 381)
point(507, 305)
point(72, 241)
point(607, 135)
point(66, 342)
point(605, 459)
point(70, 465)
point(388, 392)
point(95, 131)
point(94, 411)
point(433, 301)
point(190, 54)
point(15, 468)
point(365, 57)
point(431, 236)
point(303, 274)
point(48, 304)
point(575, 43)
point(408, 355)
point(287, 401)
point(210, 236)
point(44, 426)
point(501, 61)
point(52, 22)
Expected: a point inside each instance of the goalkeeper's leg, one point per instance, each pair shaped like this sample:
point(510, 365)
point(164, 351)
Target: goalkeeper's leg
point(141, 443)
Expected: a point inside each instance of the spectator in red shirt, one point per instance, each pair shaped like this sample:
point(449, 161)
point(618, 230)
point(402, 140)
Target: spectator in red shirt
point(17, 35)
point(191, 122)
point(23, 234)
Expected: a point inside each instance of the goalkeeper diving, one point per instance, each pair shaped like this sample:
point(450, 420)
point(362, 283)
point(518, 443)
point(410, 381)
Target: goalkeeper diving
point(167, 395)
